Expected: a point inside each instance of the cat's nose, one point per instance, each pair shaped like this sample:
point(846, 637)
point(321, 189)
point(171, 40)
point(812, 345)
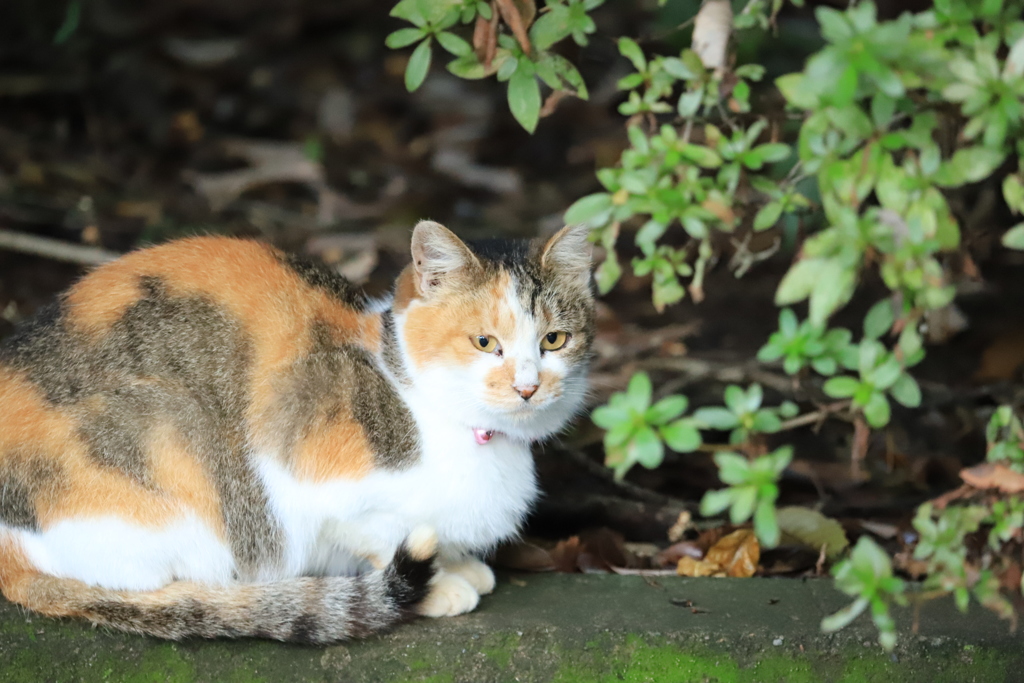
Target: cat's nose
point(526, 390)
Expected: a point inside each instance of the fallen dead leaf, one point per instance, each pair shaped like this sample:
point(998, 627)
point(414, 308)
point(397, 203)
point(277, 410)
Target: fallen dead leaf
point(518, 16)
point(523, 556)
point(738, 553)
point(690, 567)
point(565, 555)
point(993, 475)
point(1002, 358)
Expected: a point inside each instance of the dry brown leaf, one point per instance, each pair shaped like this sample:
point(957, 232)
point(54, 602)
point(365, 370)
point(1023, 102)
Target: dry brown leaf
point(485, 37)
point(993, 475)
point(1009, 579)
point(721, 210)
point(1002, 358)
point(565, 554)
point(518, 17)
point(608, 547)
point(738, 553)
point(690, 567)
point(905, 562)
point(709, 537)
point(523, 556)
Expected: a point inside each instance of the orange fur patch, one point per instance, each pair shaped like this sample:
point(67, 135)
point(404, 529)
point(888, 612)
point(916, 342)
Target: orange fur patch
point(15, 567)
point(441, 330)
point(339, 451)
point(180, 476)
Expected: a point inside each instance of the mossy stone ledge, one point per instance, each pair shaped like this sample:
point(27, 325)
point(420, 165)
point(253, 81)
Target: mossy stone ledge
point(564, 628)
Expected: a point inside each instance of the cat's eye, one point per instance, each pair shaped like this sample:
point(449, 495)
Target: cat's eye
point(485, 343)
point(553, 341)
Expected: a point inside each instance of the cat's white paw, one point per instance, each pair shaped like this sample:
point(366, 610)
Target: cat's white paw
point(478, 574)
point(450, 594)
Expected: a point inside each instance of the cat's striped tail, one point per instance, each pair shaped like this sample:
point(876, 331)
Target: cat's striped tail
point(306, 610)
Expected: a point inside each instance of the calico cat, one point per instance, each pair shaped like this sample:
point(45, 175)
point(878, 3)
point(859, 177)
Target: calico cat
point(212, 438)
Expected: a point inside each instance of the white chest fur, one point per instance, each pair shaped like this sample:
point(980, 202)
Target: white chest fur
point(473, 495)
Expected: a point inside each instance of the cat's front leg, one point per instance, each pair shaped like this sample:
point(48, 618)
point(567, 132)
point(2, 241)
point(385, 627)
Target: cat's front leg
point(460, 581)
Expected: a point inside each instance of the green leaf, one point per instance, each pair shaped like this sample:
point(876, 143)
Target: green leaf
point(1014, 237)
point(608, 273)
point(969, 165)
point(419, 65)
point(666, 409)
point(715, 417)
point(587, 208)
point(744, 498)
point(524, 98)
point(767, 216)
point(773, 151)
point(677, 68)
point(735, 399)
point(766, 422)
point(845, 616)
point(841, 387)
point(646, 448)
point(607, 417)
point(799, 281)
point(701, 155)
point(689, 102)
point(906, 391)
point(72, 18)
point(879, 319)
point(454, 44)
point(404, 37)
point(631, 51)
point(886, 374)
point(766, 524)
point(834, 26)
point(834, 287)
point(796, 91)
point(681, 436)
point(639, 391)
point(877, 410)
point(550, 28)
point(1013, 192)
point(715, 502)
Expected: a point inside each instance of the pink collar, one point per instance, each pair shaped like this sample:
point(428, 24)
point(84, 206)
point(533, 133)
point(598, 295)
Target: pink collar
point(482, 436)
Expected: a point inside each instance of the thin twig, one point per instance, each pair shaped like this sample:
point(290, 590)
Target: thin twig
point(814, 416)
point(57, 250)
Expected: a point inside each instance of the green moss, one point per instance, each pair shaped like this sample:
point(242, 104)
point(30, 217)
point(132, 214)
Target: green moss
point(499, 651)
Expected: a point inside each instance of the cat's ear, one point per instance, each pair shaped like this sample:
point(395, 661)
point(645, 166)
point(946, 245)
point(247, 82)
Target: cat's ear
point(439, 257)
point(567, 254)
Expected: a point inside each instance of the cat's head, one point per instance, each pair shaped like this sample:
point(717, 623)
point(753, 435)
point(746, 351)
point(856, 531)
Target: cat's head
point(498, 334)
